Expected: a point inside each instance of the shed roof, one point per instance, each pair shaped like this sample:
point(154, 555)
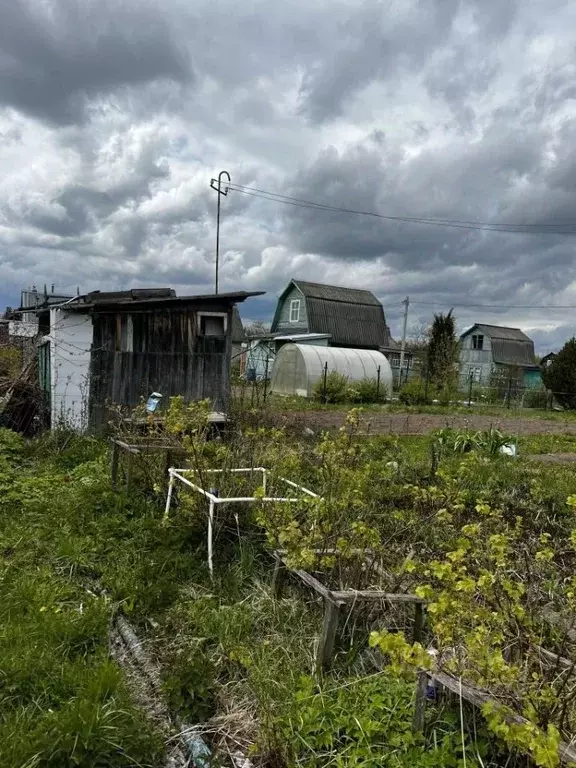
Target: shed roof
point(127, 300)
point(352, 317)
point(510, 346)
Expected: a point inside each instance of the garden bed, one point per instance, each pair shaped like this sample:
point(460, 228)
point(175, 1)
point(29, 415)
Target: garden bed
point(336, 601)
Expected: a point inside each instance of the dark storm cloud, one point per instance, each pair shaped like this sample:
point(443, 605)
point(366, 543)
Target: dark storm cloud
point(454, 109)
point(54, 56)
point(385, 42)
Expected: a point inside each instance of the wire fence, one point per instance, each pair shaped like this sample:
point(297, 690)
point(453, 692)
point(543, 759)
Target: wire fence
point(408, 387)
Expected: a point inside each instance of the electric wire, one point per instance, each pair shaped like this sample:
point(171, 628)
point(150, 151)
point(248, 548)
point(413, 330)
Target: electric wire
point(557, 228)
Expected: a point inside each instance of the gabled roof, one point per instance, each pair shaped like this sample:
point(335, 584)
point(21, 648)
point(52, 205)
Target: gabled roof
point(510, 346)
point(498, 332)
point(352, 317)
point(336, 293)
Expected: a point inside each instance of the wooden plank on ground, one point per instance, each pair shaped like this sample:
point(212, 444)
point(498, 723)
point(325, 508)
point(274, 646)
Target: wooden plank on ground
point(478, 698)
point(351, 595)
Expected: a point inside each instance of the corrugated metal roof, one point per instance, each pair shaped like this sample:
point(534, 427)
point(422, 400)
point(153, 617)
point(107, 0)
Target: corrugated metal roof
point(510, 346)
point(336, 293)
point(509, 352)
point(502, 332)
point(360, 325)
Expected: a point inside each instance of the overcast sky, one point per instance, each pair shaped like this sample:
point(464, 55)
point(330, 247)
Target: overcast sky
point(115, 115)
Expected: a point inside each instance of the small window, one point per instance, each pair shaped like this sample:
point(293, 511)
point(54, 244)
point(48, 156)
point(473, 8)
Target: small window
point(474, 374)
point(212, 324)
point(295, 310)
point(478, 341)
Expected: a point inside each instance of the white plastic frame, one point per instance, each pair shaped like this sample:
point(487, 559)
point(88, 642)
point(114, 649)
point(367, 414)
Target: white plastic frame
point(178, 474)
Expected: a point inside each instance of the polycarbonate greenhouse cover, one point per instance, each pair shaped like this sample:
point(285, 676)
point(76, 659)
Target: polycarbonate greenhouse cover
point(298, 367)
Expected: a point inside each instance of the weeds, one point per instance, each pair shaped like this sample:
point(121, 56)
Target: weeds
point(468, 531)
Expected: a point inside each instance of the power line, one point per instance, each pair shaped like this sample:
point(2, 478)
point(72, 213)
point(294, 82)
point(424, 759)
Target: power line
point(494, 306)
point(507, 227)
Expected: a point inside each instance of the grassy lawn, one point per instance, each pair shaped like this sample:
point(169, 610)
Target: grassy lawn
point(233, 657)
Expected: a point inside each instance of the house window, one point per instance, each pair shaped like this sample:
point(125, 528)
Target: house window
point(478, 341)
point(474, 374)
point(295, 310)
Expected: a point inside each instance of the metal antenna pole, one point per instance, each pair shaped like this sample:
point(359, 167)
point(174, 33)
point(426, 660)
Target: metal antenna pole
point(406, 303)
point(220, 191)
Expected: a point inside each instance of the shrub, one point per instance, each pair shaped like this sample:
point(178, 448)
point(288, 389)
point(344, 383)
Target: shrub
point(414, 393)
point(535, 398)
point(369, 391)
point(336, 389)
point(560, 375)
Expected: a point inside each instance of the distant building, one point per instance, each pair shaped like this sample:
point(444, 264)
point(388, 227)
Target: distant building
point(22, 323)
point(486, 350)
point(349, 316)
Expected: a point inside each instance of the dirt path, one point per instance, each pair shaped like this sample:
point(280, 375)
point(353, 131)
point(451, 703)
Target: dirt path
point(422, 423)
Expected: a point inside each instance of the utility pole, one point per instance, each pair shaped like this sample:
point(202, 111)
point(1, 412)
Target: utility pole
point(220, 191)
point(406, 303)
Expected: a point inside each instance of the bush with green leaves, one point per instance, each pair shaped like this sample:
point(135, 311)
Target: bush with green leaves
point(415, 392)
point(332, 388)
point(339, 389)
point(369, 390)
point(364, 722)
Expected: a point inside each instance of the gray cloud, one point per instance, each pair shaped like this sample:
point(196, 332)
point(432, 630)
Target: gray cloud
point(55, 56)
point(114, 117)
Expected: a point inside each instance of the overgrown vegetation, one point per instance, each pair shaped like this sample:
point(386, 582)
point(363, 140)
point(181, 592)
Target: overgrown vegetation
point(560, 375)
point(489, 541)
point(62, 701)
point(337, 388)
point(442, 356)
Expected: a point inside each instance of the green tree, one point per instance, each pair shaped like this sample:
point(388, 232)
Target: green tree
point(560, 375)
point(443, 351)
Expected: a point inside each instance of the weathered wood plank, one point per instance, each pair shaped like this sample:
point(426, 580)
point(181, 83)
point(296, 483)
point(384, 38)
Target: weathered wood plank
point(327, 638)
point(114, 457)
point(351, 595)
point(478, 698)
point(278, 577)
point(420, 704)
point(127, 447)
point(315, 584)
point(418, 622)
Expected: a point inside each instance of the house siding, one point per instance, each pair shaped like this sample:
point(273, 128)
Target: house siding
point(284, 325)
point(476, 358)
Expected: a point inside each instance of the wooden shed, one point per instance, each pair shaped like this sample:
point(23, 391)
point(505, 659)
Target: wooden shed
point(133, 343)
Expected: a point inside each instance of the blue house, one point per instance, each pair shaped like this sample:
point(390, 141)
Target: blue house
point(486, 350)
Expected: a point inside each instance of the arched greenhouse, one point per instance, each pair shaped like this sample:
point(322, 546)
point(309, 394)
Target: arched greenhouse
point(298, 367)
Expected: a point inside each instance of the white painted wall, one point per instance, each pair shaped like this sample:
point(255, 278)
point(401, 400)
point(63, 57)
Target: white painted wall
point(70, 344)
